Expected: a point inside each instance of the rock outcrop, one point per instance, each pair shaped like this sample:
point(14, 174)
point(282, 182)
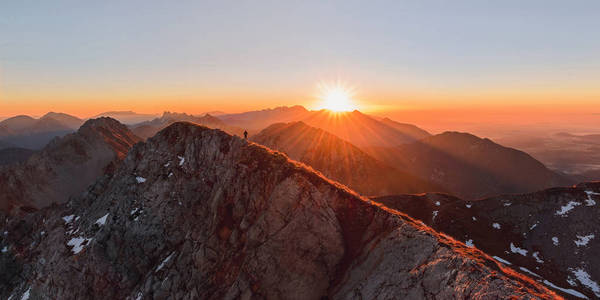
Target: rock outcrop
point(553, 235)
point(65, 167)
point(195, 213)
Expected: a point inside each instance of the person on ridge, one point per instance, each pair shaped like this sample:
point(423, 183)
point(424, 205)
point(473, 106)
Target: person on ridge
point(245, 134)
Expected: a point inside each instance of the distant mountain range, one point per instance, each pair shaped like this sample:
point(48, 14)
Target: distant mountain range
point(150, 128)
point(127, 117)
point(27, 132)
point(254, 121)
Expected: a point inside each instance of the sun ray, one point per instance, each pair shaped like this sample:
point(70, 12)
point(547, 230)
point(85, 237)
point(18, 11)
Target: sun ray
point(336, 97)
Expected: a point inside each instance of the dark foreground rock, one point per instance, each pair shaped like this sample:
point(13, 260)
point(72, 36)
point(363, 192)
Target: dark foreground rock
point(552, 235)
point(195, 213)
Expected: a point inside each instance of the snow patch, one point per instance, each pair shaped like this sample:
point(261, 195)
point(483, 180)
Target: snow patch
point(529, 272)
point(567, 291)
point(566, 208)
point(515, 249)
point(26, 294)
point(469, 243)
point(181, 160)
point(506, 262)
point(584, 278)
point(140, 179)
point(5, 249)
point(434, 213)
point(170, 174)
point(589, 201)
point(468, 205)
point(167, 164)
point(474, 219)
point(437, 203)
point(139, 296)
point(536, 255)
point(68, 219)
point(533, 226)
point(162, 264)
point(571, 281)
point(583, 240)
point(78, 243)
point(496, 225)
point(555, 241)
point(507, 204)
point(102, 220)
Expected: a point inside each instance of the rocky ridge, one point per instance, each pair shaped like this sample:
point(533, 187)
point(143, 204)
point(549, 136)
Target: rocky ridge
point(197, 213)
point(552, 235)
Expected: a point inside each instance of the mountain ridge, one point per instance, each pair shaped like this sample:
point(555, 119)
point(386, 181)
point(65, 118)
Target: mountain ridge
point(195, 212)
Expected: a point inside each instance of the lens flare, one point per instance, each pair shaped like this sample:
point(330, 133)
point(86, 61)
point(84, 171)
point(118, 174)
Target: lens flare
point(337, 97)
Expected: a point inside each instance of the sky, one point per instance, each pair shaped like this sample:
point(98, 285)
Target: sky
point(404, 58)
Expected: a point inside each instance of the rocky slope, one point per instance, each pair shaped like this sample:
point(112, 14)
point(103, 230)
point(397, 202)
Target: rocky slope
point(340, 160)
point(254, 121)
point(470, 167)
point(553, 234)
point(150, 128)
point(195, 213)
point(13, 155)
point(66, 166)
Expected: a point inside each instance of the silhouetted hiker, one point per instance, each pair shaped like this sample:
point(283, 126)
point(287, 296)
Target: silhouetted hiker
point(245, 134)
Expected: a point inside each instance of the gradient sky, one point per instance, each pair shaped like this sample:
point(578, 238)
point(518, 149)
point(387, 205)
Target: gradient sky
point(84, 57)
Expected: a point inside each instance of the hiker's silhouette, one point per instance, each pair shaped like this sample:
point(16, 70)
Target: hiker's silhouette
point(245, 134)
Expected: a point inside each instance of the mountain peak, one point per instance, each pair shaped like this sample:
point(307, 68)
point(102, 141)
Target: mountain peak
point(102, 122)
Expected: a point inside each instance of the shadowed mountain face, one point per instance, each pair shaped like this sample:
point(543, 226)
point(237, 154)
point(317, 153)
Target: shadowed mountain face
point(14, 155)
point(31, 133)
point(66, 166)
point(471, 167)
point(554, 234)
point(339, 160)
point(410, 130)
point(198, 214)
point(364, 131)
point(150, 128)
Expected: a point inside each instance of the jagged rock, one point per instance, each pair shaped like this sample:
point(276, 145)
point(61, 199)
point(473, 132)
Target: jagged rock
point(195, 213)
point(65, 167)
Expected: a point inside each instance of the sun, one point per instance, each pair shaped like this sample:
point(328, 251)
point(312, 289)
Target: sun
point(337, 98)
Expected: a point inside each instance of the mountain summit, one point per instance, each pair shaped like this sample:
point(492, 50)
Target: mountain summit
point(195, 213)
point(66, 166)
